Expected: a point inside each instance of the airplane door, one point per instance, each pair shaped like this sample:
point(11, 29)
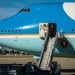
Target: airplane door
point(43, 29)
point(52, 29)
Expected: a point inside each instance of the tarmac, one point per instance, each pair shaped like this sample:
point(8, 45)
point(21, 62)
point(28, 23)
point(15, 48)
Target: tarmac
point(17, 59)
point(66, 63)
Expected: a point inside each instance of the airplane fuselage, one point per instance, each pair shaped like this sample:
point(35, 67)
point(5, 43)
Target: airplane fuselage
point(21, 31)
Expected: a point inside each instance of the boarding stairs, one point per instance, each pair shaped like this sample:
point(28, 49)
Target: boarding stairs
point(47, 52)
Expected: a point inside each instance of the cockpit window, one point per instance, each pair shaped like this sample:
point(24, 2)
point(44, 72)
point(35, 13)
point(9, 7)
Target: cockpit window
point(25, 10)
point(21, 10)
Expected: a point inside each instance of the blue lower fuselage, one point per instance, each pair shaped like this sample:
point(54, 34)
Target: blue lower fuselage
point(34, 44)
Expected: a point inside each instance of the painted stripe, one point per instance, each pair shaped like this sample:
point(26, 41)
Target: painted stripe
point(19, 35)
point(27, 35)
point(69, 35)
point(17, 58)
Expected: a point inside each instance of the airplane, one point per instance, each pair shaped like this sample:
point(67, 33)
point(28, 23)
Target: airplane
point(26, 30)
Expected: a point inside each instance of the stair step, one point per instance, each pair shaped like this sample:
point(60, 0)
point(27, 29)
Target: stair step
point(47, 54)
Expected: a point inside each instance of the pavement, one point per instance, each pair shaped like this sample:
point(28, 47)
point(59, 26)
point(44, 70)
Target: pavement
point(18, 59)
point(66, 63)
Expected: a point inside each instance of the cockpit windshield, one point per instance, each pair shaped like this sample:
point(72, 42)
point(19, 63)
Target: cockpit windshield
point(25, 10)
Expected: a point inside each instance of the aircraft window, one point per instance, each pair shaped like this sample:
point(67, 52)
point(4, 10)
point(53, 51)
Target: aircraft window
point(21, 10)
point(72, 30)
point(12, 30)
point(19, 30)
point(25, 10)
point(1, 30)
point(16, 30)
point(4, 30)
point(8, 30)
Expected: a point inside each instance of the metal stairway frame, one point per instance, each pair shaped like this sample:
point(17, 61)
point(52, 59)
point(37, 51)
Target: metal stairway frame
point(45, 64)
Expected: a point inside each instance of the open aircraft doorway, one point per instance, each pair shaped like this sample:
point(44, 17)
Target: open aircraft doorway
point(52, 29)
point(47, 27)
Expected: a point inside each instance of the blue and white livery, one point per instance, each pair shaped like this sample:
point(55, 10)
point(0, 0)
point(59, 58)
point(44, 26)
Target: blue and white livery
point(21, 31)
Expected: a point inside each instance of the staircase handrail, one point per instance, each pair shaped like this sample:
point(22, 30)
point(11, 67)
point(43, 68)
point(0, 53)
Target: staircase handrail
point(52, 47)
point(44, 48)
